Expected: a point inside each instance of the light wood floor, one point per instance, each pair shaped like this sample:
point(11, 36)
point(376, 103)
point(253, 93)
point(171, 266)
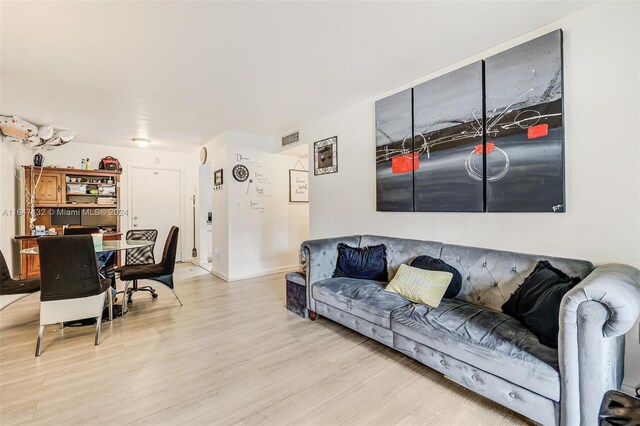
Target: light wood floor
point(232, 355)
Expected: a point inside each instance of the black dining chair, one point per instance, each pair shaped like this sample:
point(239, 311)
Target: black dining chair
point(161, 272)
point(13, 290)
point(71, 288)
point(106, 259)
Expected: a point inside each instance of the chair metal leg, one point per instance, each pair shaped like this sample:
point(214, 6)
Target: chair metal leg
point(98, 323)
point(110, 297)
point(174, 293)
point(124, 298)
point(39, 342)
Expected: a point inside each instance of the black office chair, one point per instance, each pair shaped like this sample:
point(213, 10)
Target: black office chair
point(13, 290)
point(141, 256)
point(80, 231)
point(161, 272)
point(71, 288)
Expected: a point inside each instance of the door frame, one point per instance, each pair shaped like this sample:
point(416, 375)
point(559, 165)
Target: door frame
point(181, 195)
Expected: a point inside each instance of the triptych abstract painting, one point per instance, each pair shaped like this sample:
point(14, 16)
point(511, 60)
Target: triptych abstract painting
point(486, 137)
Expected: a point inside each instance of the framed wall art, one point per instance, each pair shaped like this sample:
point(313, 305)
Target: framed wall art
point(325, 156)
point(298, 186)
point(217, 177)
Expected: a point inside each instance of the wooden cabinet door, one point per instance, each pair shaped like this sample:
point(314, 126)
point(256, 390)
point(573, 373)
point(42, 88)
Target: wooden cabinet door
point(30, 262)
point(49, 190)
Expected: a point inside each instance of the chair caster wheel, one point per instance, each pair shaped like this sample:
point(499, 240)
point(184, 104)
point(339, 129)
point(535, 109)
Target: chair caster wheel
point(129, 301)
point(154, 295)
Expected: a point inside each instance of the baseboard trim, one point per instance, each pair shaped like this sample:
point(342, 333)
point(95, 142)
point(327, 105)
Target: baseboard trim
point(220, 275)
point(264, 272)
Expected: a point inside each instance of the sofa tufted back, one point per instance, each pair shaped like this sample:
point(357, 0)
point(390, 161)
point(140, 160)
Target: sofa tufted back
point(401, 250)
point(489, 277)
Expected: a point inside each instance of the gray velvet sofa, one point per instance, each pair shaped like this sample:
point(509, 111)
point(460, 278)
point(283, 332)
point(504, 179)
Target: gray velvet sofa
point(472, 342)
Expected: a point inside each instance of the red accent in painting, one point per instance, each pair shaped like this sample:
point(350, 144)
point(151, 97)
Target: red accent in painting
point(538, 131)
point(490, 147)
point(403, 163)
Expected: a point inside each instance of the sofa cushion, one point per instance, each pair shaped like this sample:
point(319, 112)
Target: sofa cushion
point(490, 276)
point(487, 339)
point(536, 303)
point(368, 263)
point(420, 285)
point(432, 264)
point(363, 298)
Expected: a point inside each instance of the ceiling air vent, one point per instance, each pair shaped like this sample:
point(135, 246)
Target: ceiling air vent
point(292, 138)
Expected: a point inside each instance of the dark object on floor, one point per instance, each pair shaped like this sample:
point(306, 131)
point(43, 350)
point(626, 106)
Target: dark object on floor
point(297, 293)
point(161, 272)
point(13, 290)
point(367, 263)
point(71, 288)
point(432, 264)
point(619, 409)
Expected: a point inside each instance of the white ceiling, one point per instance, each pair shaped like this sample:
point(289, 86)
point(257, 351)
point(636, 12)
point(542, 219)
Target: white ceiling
point(180, 73)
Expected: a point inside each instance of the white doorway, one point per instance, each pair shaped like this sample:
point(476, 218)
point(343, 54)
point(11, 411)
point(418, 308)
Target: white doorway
point(155, 202)
point(205, 219)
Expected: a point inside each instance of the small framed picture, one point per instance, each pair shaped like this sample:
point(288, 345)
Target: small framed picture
point(325, 156)
point(217, 177)
point(298, 186)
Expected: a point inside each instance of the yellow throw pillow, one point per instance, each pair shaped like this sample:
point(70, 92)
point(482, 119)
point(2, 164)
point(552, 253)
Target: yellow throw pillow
point(420, 285)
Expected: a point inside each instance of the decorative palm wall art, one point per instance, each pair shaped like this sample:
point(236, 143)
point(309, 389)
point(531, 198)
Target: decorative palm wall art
point(485, 137)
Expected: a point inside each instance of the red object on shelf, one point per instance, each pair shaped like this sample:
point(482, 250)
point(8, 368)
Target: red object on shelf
point(403, 164)
point(538, 131)
point(490, 147)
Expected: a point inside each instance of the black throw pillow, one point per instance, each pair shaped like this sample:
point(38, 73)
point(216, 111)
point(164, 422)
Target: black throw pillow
point(432, 264)
point(536, 303)
point(369, 263)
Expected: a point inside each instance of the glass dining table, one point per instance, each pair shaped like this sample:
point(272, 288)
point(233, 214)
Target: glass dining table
point(103, 252)
point(107, 245)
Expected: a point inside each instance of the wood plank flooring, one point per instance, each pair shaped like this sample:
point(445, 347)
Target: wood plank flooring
point(232, 355)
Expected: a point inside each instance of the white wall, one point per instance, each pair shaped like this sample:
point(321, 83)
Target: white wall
point(265, 229)
point(10, 201)
point(254, 234)
point(602, 222)
point(205, 198)
point(72, 154)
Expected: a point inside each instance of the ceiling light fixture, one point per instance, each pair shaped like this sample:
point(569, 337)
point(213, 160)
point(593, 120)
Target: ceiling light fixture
point(141, 142)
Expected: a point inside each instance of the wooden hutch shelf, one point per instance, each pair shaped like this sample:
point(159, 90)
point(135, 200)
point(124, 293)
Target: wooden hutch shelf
point(60, 200)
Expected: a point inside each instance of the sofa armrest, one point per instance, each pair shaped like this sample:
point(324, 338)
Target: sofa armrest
point(321, 256)
point(594, 316)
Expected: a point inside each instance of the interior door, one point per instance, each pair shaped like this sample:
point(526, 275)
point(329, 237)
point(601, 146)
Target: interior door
point(155, 203)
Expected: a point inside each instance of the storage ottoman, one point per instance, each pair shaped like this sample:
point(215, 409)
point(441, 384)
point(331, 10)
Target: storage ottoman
point(296, 293)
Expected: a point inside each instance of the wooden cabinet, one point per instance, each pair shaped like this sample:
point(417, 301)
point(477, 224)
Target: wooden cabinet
point(51, 201)
point(49, 189)
point(30, 263)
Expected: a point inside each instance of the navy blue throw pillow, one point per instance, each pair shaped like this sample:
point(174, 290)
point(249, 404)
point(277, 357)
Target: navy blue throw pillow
point(369, 263)
point(432, 264)
point(536, 303)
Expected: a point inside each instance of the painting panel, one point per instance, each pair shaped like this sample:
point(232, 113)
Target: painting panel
point(394, 153)
point(448, 142)
point(524, 127)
